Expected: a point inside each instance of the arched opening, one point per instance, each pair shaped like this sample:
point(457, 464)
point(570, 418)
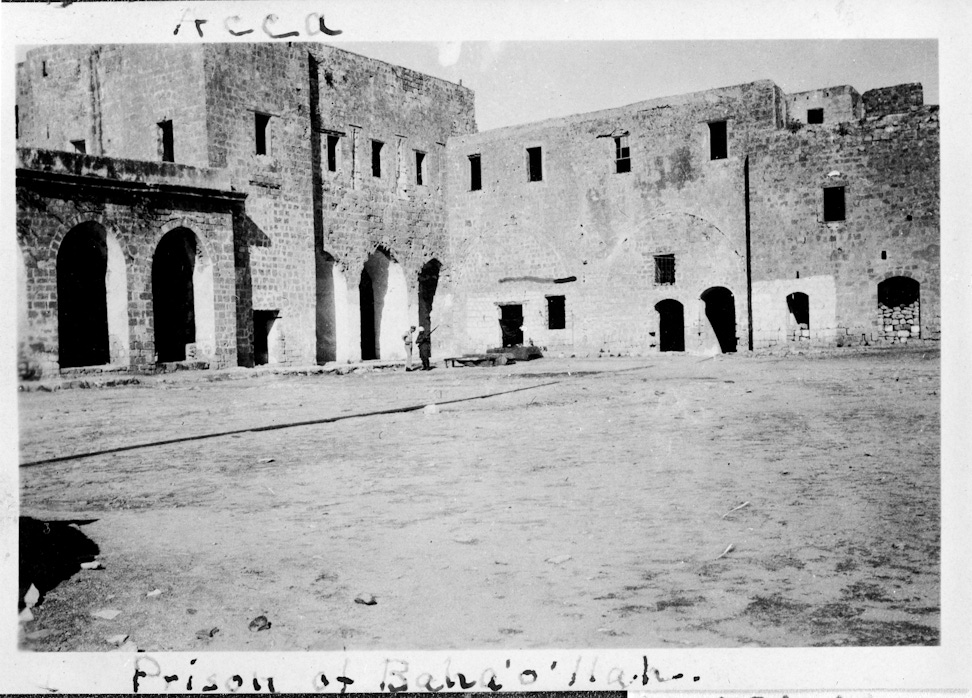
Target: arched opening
point(671, 325)
point(384, 307)
point(798, 324)
point(182, 298)
point(899, 309)
point(720, 310)
point(428, 281)
point(82, 297)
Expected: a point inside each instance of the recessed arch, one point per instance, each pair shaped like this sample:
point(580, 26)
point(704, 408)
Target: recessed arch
point(798, 320)
point(92, 298)
point(383, 300)
point(183, 298)
point(671, 325)
point(428, 282)
point(720, 311)
point(332, 316)
point(899, 308)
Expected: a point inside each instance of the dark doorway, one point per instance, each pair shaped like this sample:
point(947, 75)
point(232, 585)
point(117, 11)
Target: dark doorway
point(671, 325)
point(799, 306)
point(428, 281)
point(366, 294)
point(326, 309)
point(262, 323)
point(172, 294)
point(511, 324)
point(82, 307)
point(720, 310)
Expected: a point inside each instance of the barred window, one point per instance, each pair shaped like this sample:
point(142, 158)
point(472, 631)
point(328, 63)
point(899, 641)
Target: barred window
point(664, 269)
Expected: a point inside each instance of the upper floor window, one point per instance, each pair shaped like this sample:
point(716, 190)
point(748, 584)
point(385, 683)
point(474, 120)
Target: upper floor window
point(622, 154)
point(262, 133)
point(535, 164)
point(166, 141)
point(419, 167)
point(376, 158)
point(815, 116)
point(833, 204)
point(475, 173)
point(664, 268)
point(332, 149)
point(718, 140)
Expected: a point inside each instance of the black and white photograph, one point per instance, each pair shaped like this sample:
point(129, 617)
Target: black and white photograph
point(329, 341)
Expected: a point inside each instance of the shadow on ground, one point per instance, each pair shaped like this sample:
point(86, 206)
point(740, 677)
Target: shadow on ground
point(51, 552)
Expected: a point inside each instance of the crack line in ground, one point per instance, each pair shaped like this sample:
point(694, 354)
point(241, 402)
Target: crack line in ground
point(274, 427)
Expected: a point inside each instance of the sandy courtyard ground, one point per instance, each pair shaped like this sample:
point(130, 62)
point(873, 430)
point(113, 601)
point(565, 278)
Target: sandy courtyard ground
point(588, 511)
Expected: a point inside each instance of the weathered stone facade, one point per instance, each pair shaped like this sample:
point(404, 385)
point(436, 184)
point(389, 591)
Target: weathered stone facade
point(352, 198)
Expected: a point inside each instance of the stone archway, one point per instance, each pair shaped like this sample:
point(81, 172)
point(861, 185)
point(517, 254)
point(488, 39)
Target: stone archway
point(798, 320)
point(92, 298)
point(182, 298)
point(671, 325)
point(720, 311)
point(332, 301)
point(899, 309)
point(383, 298)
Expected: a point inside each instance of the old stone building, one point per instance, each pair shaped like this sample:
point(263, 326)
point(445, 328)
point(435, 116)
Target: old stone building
point(296, 203)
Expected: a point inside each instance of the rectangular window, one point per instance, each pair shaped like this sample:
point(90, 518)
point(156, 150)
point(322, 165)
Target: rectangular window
point(262, 126)
point(166, 142)
point(622, 154)
point(718, 141)
point(556, 312)
point(814, 116)
point(332, 145)
point(664, 268)
point(475, 173)
point(44, 68)
point(79, 146)
point(535, 164)
point(833, 203)
point(419, 167)
point(376, 158)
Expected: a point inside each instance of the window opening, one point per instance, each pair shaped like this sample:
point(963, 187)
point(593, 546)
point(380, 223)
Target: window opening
point(79, 146)
point(376, 158)
point(833, 203)
point(44, 68)
point(884, 254)
point(556, 312)
point(535, 164)
point(475, 173)
point(664, 269)
point(262, 125)
point(815, 116)
point(332, 144)
point(419, 167)
point(718, 141)
point(166, 142)
point(622, 154)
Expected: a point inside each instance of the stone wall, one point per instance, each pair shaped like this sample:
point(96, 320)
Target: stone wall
point(840, 103)
point(513, 238)
point(134, 204)
point(889, 168)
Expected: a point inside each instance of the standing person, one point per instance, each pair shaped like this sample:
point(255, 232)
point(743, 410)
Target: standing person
point(424, 342)
point(407, 338)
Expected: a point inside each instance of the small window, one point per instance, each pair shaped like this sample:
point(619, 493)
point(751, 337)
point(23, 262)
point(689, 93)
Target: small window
point(556, 312)
point(814, 116)
point(79, 146)
point(535, 164)
point(475, 173)
point(718, 141)
point(376, 158)
point(166, 142)
point(884, 254)
point(664, 269)
point(622, 154)
point(262, 125)
point(419, 167)
point(833, 203)
point(332, 145)
point(44, 68)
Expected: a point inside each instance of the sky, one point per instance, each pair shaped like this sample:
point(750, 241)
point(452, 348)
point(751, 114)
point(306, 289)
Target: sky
point(524, 81)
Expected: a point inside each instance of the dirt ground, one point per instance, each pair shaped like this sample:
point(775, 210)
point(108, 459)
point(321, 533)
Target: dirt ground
point(588, 511)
